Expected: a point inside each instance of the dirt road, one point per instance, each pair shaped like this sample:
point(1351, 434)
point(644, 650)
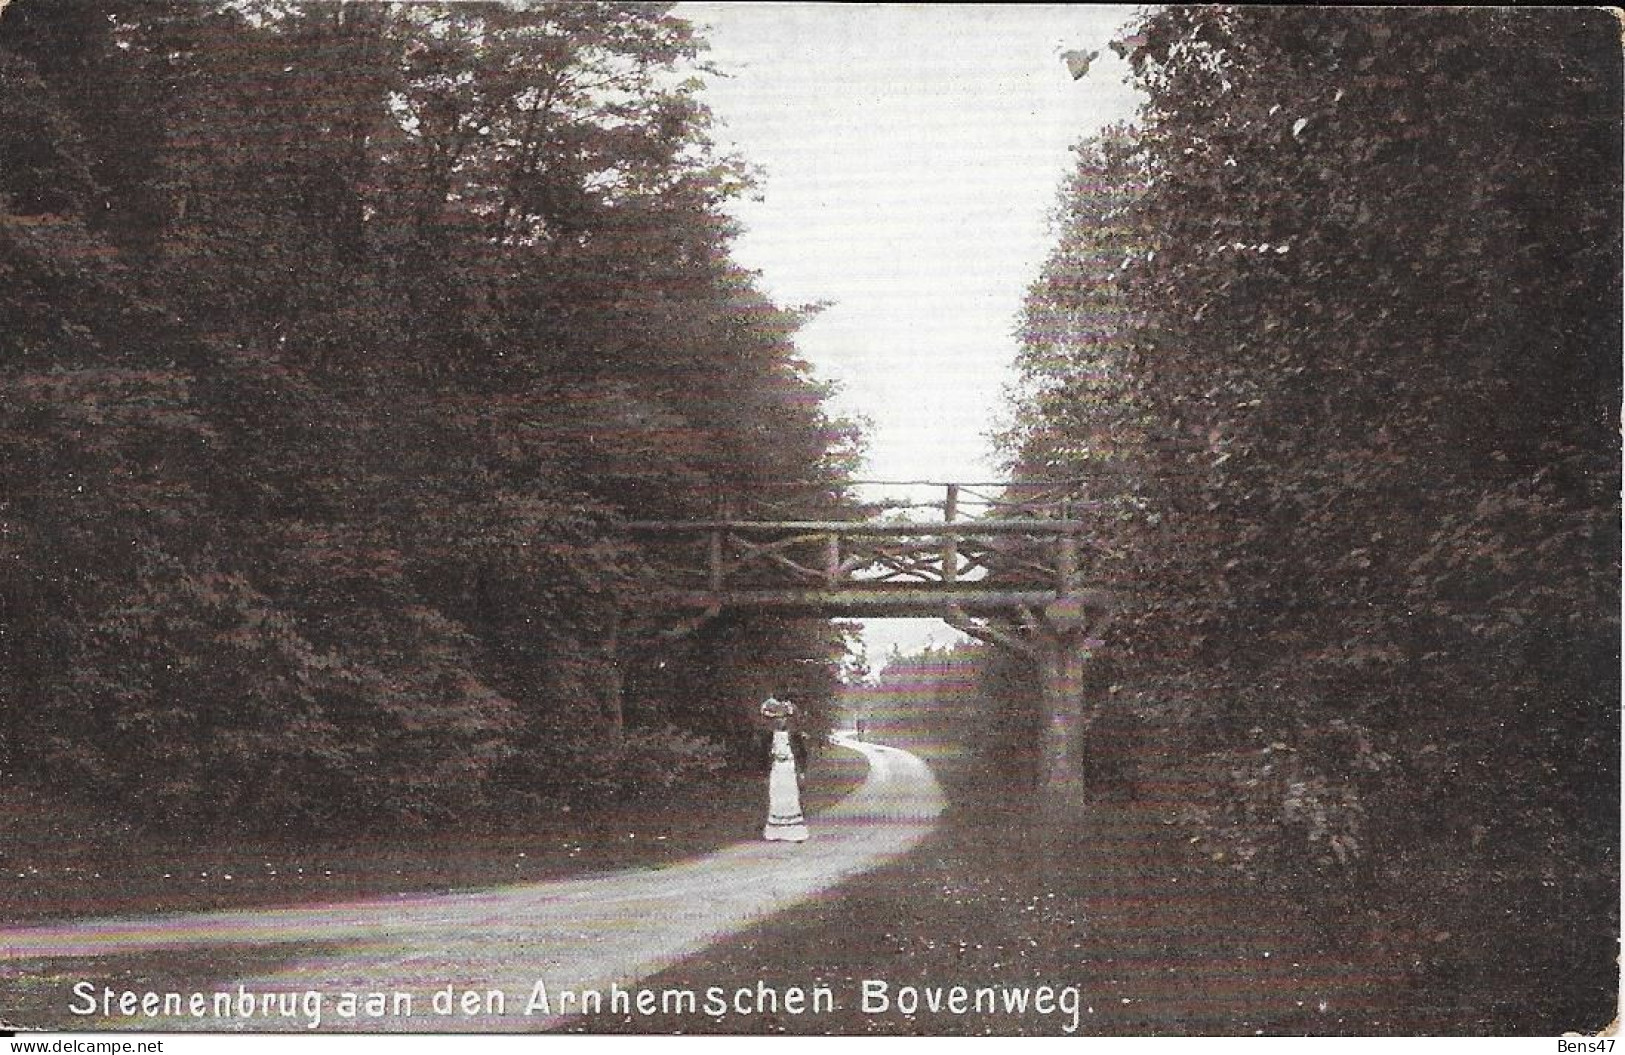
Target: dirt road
point(497, 944)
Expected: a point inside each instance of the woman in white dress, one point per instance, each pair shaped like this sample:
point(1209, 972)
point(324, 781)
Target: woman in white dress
point(784, 820)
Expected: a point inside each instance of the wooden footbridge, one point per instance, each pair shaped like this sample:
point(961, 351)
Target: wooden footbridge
point(1004, 563)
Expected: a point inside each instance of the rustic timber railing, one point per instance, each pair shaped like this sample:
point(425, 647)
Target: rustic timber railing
point(1018, 558)
point(1012, 575)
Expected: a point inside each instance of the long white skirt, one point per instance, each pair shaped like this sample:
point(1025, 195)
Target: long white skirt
point(784, 819)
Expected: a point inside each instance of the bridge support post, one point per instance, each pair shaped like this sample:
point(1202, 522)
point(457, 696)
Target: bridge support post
point(1068, 636)
point(1065, 717)
point(1059, 643)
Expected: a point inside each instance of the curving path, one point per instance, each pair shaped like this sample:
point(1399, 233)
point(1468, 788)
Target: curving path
point(575, 934)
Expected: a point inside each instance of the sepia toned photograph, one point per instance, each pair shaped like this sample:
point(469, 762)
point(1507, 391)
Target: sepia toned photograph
point(618, 519)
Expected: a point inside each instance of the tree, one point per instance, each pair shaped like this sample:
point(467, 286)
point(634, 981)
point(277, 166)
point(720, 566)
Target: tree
point(361, 328)
point(1369, 379)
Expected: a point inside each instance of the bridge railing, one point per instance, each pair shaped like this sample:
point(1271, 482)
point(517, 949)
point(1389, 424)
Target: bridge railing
point(978, 537)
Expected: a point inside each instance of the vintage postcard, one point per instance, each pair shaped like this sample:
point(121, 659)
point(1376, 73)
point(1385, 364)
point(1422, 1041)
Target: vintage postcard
point(805, 519)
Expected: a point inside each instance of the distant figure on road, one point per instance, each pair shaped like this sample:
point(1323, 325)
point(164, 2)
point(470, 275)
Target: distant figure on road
point(784, 820)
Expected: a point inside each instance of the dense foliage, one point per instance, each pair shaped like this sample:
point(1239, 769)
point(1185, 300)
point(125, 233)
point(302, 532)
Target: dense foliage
point(1333, 335)
point(337, 338)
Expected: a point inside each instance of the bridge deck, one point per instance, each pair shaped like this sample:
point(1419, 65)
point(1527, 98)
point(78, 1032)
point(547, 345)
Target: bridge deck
point(994, 565)
point(924, 600)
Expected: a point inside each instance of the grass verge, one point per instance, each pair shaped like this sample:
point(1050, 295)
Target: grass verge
point(1133, 930)
point(57, 863)
point(111, 869)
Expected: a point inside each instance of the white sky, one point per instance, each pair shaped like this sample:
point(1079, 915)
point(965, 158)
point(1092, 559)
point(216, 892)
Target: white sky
point(910, 156)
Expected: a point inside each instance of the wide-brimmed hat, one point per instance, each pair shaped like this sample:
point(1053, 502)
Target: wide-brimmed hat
point(772, 708)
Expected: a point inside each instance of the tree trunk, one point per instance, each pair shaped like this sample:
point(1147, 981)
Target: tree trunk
point(1060, 783)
